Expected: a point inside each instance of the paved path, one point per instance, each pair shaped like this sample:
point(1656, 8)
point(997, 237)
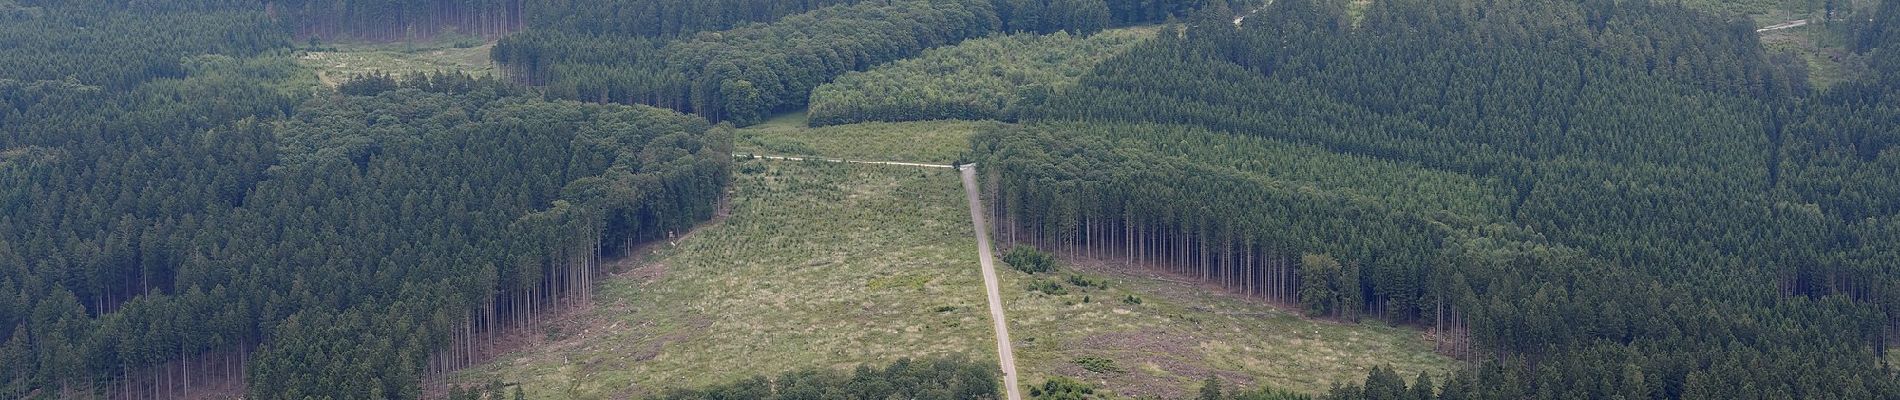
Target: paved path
point(1004, 352)
point(1784, 25)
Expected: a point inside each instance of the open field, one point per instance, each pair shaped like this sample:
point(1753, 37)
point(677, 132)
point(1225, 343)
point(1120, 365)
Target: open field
point(339, 62)
point(1180, 333)
point(922, 142)
point(819, 265)
point(832, 265)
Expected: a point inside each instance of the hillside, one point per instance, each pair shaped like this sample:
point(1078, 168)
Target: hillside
point(687, 199)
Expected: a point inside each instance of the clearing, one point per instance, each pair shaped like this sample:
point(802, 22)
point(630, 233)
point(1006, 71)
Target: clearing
point(938, 142)
point(827, 264)
point(337, 62)
point(819, 265)
point(1178, 333)
point(1823, 49)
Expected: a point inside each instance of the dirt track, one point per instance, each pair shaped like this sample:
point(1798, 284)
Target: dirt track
point(1004, 352)
point(1784, 25)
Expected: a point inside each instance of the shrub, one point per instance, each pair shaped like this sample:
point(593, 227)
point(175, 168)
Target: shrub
point(1030, 260)
point(1098, 365)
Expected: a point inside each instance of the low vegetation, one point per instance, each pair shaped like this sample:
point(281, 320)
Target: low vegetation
point(988, 78)
point(943, 378)
point(941, 142)
point(337, 62)
point(1152, 335)
point(820, 265)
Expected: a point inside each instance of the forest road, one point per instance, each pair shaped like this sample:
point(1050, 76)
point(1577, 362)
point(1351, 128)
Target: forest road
point(1005, 354)
point(1784, 25)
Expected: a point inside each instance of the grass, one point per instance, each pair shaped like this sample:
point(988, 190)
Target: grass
point(988, 78)
point(819, 265)
point(1179, 334)
point(338, 62)
point(924, 141)
point(1824, 50)
point(834, 265)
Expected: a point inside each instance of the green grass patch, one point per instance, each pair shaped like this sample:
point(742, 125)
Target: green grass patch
point(925, 141)
point(820, 265)
point(338, 62)
point(979, 79)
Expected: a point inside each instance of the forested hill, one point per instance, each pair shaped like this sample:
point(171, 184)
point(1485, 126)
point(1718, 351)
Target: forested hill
point(746, 73)
point(176, 209)
point(1601, 198)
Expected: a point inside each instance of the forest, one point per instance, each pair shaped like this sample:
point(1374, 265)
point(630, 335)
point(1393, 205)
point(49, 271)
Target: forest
point(167, 216)
point(749, 72)
point(1578, 198)
point(1643, 204)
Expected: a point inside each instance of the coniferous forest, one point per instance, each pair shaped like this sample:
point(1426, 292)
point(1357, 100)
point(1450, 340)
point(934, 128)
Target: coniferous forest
point(172, 214)
point(1584, 199)
point(1577, 199)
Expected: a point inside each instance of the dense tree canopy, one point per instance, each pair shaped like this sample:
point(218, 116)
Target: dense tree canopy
point(746, 73)
point(171, 211)
point(1627, 194)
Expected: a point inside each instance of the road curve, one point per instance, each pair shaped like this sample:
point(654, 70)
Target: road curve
point(1005, 353)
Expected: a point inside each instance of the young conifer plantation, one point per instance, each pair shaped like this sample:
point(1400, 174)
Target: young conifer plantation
point(1575, 199)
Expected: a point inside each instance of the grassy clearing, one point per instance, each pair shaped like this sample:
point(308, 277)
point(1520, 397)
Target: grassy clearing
point(1824, 50)
point(340, 61)
point(980, 79)
point(1179, 334)
point(924, 141)
point(832, 265)
point(819, 265)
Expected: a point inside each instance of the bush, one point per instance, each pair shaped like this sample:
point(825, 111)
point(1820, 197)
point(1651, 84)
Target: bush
point(1050, 287)
point(1062, 388)
point(1098, 365)
point(1087, 282)
point(1030, 260)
